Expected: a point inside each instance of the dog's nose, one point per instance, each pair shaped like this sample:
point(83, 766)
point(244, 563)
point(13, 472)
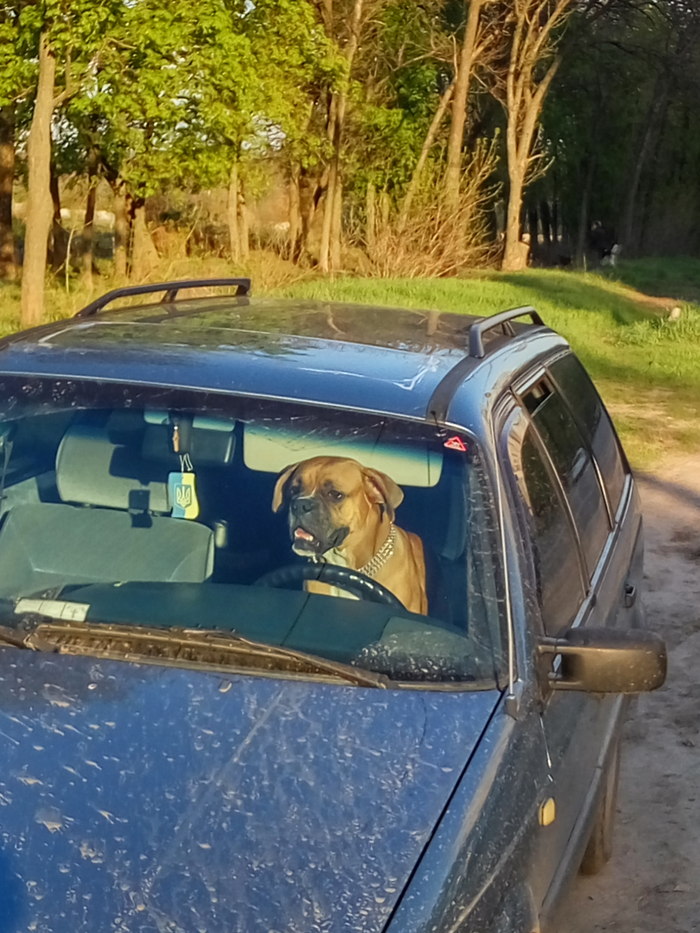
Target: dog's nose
point(303, 506)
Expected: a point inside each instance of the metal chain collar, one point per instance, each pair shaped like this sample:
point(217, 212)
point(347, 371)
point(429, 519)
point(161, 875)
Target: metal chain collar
point(385, 552)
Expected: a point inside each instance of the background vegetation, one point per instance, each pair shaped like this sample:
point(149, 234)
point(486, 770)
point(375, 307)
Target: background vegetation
point(386, 137)
point(323, 145)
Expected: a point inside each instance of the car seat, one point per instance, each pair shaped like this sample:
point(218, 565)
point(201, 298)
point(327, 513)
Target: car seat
point(111, 523)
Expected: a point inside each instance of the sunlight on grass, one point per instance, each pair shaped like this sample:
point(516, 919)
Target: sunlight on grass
point(646, 366)
point(632, 351)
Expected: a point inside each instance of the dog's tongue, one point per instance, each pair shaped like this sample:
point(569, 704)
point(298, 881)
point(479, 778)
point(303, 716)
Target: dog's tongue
point(304, 535)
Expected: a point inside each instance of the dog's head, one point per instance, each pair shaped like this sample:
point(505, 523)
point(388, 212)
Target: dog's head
point(333, 501)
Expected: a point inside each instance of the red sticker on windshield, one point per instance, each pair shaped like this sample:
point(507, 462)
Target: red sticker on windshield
point(455, 443)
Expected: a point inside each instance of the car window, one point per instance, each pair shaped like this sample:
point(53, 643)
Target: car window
point(150, 506)
point(574, 467)
point(594, 422)
point(555, 550)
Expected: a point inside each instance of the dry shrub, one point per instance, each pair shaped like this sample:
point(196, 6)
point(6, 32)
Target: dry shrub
point(435, 239)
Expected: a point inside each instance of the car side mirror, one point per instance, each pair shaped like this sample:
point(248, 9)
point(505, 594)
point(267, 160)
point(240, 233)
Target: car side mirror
point(605, 660)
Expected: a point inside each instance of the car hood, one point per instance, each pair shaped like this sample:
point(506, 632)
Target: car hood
point(142, 798)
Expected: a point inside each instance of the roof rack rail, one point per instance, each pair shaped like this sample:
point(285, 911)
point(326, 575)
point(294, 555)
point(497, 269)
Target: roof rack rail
point(170, 289)
point(485, 324)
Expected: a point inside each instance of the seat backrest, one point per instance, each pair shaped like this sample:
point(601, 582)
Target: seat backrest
point(45, 545)
point(111, 525)
point(94, 469)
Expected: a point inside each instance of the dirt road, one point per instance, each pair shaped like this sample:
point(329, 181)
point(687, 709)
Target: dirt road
point(652, 884)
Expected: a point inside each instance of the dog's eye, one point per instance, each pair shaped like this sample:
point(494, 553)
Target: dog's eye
point(336, 495)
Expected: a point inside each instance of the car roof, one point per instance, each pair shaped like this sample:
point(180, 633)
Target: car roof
point(395, 361)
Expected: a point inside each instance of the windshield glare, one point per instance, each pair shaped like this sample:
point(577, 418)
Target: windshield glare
point(358, 539)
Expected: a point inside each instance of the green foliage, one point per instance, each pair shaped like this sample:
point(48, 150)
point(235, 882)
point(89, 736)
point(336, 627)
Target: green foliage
point(181, 90)
point(17, 43)
point(621, 121)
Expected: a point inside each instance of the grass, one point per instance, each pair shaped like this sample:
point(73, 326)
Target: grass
point(646, 366)
point(676, 277)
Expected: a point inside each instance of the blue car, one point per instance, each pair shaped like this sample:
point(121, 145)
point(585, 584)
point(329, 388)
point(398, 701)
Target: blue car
point(313, 617)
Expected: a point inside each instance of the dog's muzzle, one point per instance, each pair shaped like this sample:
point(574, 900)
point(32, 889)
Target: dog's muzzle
point(311, 528)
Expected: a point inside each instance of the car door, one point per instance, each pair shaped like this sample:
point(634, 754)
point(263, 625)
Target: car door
point(578, 573)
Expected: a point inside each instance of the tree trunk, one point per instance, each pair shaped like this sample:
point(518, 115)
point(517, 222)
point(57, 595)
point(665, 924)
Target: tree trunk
point(121, 230)
point(533, 231)
point(324, 260)
point(59, 240)
point(453, 169)
point(144, 256)
point(38, 222)
point(243, 229)
point(330, 235)
point(337, 225)
point(651, 125)
point(428, 143)
point(546, 220)
point(294, 237)
point(309, 196)
point(515, 252)
point(524, 110)
point(585, 213)
point(234, 233)
point(88, 232)
point(532, 65)
point(8, 257)
point(371, 218)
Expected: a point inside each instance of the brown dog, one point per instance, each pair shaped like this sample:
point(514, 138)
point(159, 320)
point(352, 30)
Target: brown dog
point(344, 510)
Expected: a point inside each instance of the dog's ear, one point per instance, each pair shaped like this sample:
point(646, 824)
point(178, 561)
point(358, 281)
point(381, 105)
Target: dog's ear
point(282, 480)
point(383, 490)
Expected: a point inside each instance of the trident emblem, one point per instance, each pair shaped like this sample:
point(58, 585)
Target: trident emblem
point(183, 496)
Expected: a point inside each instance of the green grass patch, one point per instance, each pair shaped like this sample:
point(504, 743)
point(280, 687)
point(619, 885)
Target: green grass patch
point(646, 367)
point(676, 278)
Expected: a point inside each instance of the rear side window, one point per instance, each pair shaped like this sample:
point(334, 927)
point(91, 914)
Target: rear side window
point(575, 469)
point(559, 586)
point(575, 385)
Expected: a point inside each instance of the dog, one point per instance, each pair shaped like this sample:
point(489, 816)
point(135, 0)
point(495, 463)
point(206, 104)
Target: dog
point(343, 512)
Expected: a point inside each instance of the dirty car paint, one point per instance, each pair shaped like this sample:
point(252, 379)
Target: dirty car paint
point(141, 798)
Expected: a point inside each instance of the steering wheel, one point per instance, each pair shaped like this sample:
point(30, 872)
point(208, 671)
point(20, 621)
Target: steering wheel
point(353, 581)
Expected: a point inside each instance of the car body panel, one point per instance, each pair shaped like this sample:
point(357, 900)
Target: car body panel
point(357, 366)
point(181, 800)
point(479, 863)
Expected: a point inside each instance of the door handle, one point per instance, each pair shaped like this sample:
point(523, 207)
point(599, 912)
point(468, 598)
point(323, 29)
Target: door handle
point(630, 595)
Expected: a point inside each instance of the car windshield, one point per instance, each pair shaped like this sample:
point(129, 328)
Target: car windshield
point(365, 541)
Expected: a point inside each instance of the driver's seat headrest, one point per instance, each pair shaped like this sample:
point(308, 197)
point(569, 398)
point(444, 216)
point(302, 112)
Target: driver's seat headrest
point(93, 470)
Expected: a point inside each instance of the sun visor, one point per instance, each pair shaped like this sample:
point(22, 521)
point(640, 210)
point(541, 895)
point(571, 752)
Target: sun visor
point(271, 448)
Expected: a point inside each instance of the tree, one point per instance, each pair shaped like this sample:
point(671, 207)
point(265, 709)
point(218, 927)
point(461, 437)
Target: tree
point(38, 216)
point(618, 121)
point(17, 79)
point(74, 30)
point(472, 45)
point(532, 31)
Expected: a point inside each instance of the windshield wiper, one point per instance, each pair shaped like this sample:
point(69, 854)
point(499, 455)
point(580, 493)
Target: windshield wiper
point(223, 649)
